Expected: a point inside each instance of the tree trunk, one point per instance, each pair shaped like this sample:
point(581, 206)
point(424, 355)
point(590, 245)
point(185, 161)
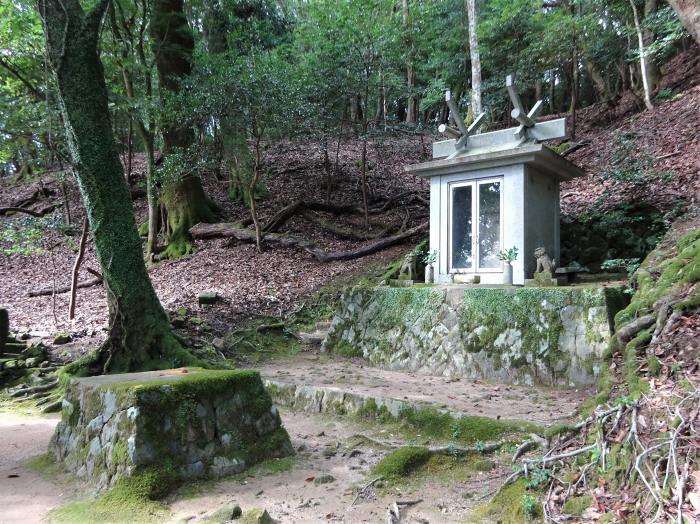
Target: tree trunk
point(653, 69)
point(599, 82)
point(235, 152)
point(184, 199)
point(412, 101)
point(139, 334)
point(688, 12)
point(642, 58)
point(474, 58)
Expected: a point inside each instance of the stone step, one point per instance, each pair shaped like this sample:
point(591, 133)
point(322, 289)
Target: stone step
point(314, 338)
point(320, 382)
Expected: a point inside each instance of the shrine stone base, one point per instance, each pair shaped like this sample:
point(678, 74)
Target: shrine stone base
point(178, 423)
point(546, 335)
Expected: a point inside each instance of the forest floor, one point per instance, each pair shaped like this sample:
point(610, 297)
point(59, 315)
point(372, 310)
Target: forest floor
point(273, 283)
point(347, 448)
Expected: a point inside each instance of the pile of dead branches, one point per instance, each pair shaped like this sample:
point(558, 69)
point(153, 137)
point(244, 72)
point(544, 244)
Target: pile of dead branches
point(631, 457)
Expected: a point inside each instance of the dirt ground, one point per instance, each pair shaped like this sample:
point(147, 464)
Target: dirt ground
point(474, 397)
point(25, 496)
point(325, 446)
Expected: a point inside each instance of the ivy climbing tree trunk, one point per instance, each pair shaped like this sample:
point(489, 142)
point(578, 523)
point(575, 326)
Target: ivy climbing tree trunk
point(139, 334)
point(183, 195)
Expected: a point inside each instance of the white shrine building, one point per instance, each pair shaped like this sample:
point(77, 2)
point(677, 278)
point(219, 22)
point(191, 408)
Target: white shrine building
point(493, 191)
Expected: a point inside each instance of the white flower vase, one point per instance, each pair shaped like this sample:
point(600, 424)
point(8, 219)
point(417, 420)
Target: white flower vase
point(508, 274)
point(429, 274)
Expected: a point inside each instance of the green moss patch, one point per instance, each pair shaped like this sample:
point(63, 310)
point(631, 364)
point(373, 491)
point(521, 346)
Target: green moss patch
point(131, 500)
point(664, 271)
point(577, 505)
point(402, 462)
point(429, 422)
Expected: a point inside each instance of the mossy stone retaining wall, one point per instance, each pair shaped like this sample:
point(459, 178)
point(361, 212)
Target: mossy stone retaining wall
point(550, 336)
point(181, 424)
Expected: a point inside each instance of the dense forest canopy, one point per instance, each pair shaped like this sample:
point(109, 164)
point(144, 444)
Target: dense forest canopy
point(297, 68)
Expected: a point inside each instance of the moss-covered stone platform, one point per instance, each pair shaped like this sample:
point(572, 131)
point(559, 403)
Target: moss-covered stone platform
point(178, 424)
point(548, 336)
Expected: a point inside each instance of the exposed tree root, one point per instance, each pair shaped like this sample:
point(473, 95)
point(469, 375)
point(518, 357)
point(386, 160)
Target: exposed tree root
point(229, 230)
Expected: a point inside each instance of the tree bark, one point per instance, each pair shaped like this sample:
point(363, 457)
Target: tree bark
point(184, 199)
point(139, 332)
point(688, 12)
point(474, 58)
point(642, 58)
point(235, 152)
point(653, 69)
point(412, 101)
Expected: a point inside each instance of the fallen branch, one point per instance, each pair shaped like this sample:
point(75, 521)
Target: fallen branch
point(385, 243)
point(345, 233)
point(574, 147)
point(300, 207)
point(364, 489)
point(65, 289)
point(38, 214)
point(228, 230)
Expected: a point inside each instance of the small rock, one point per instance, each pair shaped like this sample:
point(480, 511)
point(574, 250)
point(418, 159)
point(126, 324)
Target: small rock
point(227, 513)
point(61, 338)
point(329, 452)
point(218, 343)
point(324, 479)
point(207, 297)
point(256, 516)
point(178, 322)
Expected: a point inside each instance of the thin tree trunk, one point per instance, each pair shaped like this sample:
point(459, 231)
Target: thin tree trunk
point(474, 58)
point(139, 332)
point(412, 100)
point(649, 37)
point(76, 269)
point(251, 192)
point(642, 58)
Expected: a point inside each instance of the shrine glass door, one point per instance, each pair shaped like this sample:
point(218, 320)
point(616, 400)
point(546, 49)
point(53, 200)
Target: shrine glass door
point(475, 230)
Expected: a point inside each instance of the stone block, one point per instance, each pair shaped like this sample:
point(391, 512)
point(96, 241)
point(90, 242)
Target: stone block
point(192, 422)
point(207, 297)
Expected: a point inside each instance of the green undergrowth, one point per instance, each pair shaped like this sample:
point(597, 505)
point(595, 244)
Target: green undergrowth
point(577, 505)
point(45, 465)
point(132, 499)
point(258, 342)
point(516, 503)
point(668, 270)
point(430, 423)
point(664, 273)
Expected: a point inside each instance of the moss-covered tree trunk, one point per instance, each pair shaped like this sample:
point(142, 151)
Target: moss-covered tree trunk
point(183, 198)
point(139, 332)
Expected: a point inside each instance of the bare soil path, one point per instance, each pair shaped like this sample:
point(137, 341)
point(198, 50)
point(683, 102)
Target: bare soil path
point(25, 496)
point(329, 446)
point(534, 404)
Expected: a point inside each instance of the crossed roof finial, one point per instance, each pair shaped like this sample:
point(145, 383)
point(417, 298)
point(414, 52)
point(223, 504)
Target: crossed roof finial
point(527, 120)
point(462, 132)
